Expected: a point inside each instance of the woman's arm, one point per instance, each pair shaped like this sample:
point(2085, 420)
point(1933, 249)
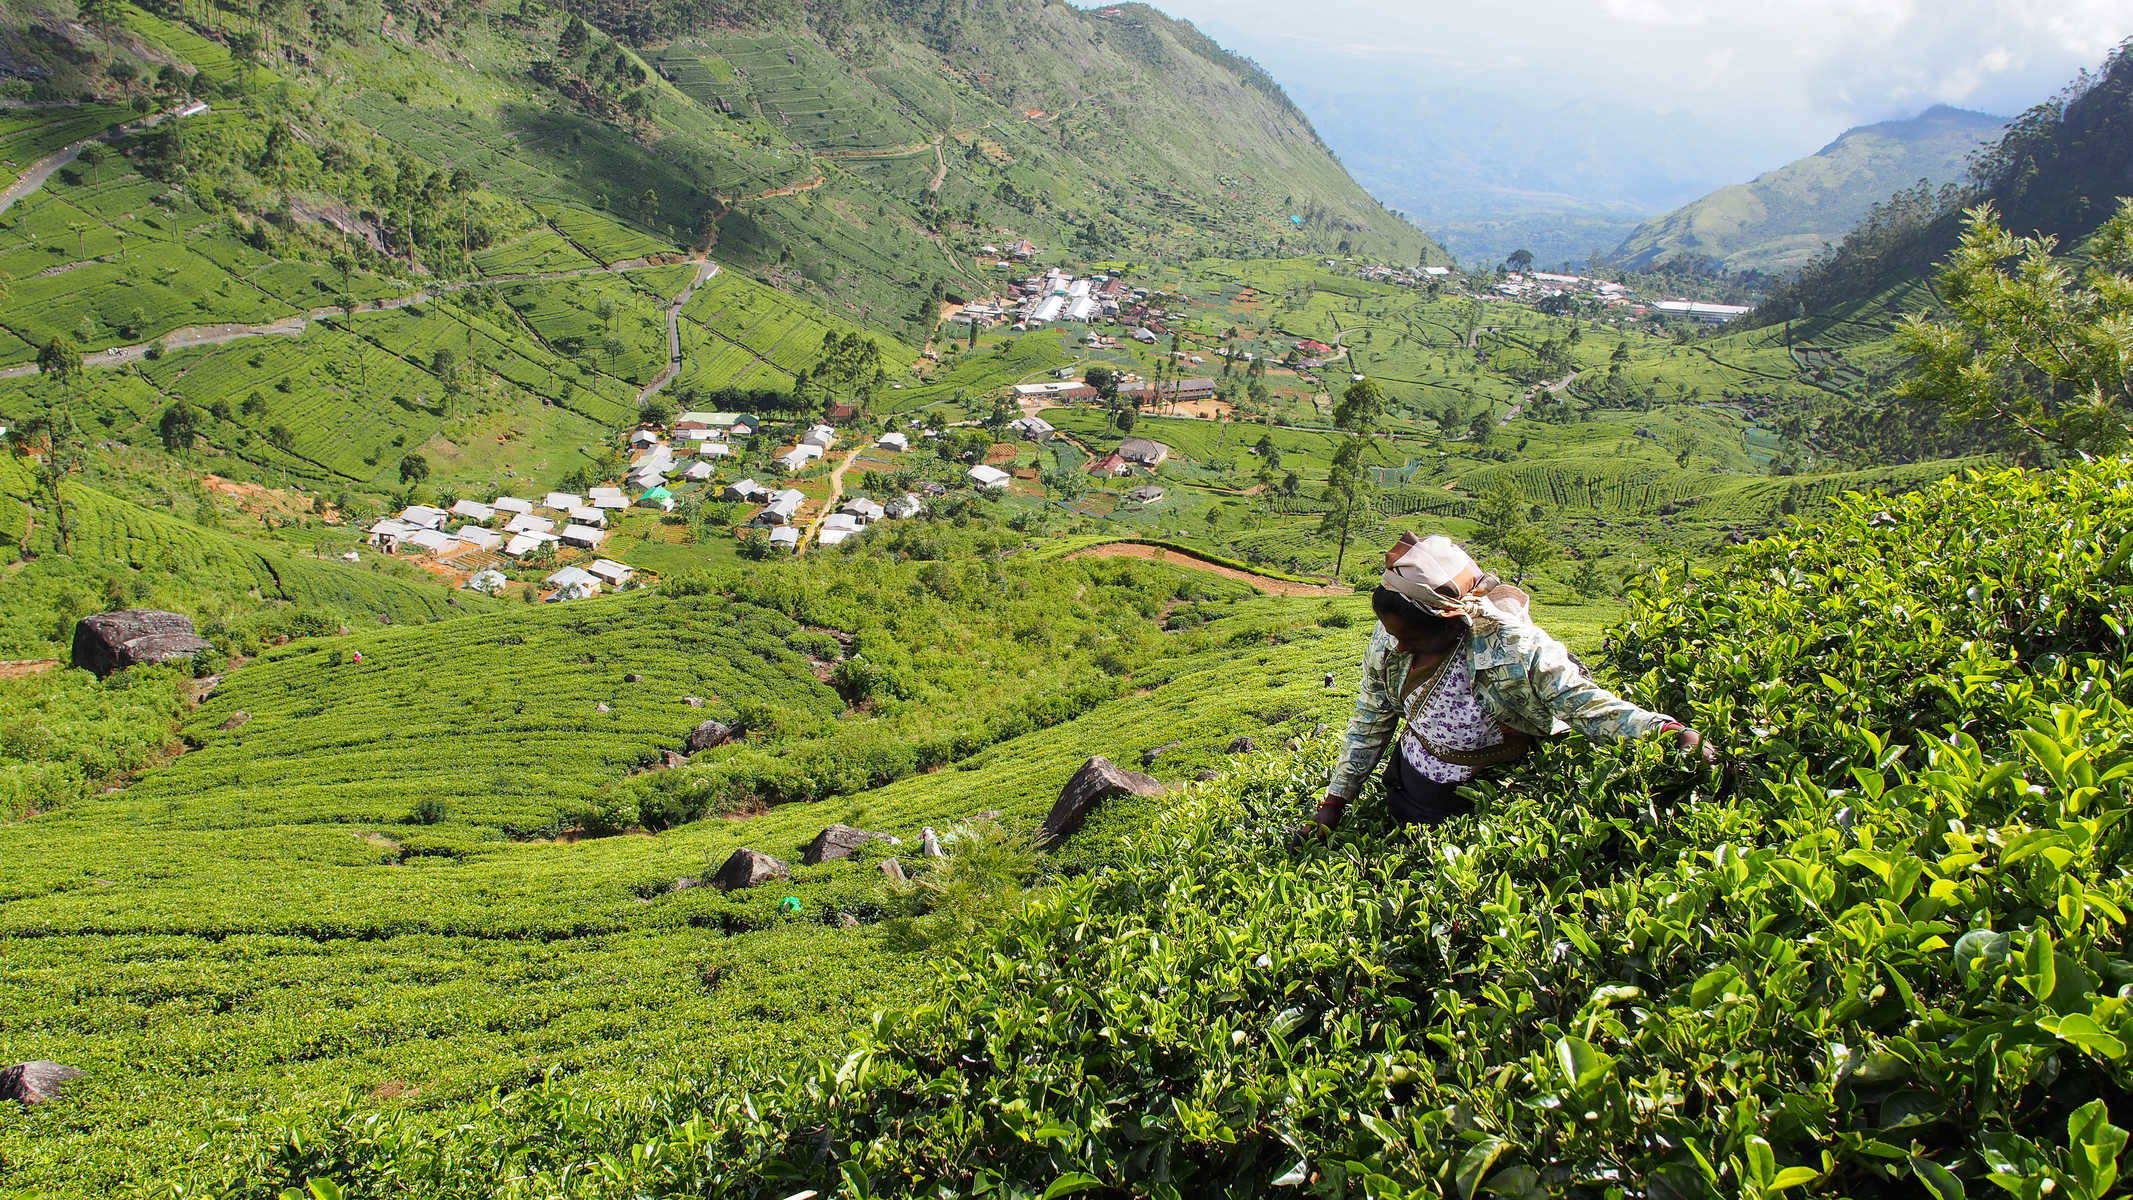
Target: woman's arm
point(1377, 713)
point(1585, 706)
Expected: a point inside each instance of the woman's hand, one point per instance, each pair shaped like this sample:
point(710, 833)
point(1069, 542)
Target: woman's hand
point(1323, 822)
point(1692, 744)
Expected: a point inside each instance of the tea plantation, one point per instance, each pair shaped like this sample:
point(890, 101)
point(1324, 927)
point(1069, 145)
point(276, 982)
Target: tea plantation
point(1881, 953)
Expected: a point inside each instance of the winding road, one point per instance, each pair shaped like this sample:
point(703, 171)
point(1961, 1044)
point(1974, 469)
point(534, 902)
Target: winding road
point(704, 273)
point(44, 168)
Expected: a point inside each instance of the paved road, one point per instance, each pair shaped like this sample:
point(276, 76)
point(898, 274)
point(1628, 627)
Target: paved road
point(49, 165)
point(704, 273)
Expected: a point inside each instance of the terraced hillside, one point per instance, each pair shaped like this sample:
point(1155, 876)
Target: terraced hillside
point(1842, 967)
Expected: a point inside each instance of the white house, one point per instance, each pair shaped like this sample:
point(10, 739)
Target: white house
point(904, 506)
point(488, 581)
point(528, 523)
point(798, 457)
point(641, 478)
point(780, 507)
point(610, 572)
point(698, 471)
point(989, 477)
point(512, 504)
point(422, 516)
point(592, 515)
point(473, 510)
point(822, 437)
point(788, 535)
point(584, 535)
point(644, 437)
point(864, 510)
point(895, 441)
point(432, 541)
point(1036, 429)
point(743, 489)
point(714, 450)
point(563, 501)
point(523, 544)
point(573, 583)
point(389, 532)
point(832, 537)
point(479, 538)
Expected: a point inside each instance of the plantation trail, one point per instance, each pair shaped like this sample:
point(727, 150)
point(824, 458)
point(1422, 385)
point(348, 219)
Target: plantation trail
point(48, 166)
point(215, 335)
point(830, 505)
point(705, 271)
point(1185, 558)
point(23, 668)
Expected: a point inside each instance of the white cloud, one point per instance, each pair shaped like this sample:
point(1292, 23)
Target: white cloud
point(1800, 70)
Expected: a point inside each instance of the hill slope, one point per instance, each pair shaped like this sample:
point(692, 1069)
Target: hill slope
point(1841, 973)
point(1782, 219)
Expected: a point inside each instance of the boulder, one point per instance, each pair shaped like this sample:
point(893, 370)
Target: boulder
point(838, 841)
point(894, 870)
point(670, 759)
point(237, 720)
point(708, 735)
point(693, 701)
point(1242, 745)
point(1097, 781)
point(113, 641)
point(35, 1082)
point(1208, 776)
point(1148, 757)
point(749, 868)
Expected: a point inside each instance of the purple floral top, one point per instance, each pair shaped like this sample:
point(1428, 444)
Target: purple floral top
point(1451, 717)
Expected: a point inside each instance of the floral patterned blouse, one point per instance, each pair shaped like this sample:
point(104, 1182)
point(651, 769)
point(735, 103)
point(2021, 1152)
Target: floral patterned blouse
point(1447, 715)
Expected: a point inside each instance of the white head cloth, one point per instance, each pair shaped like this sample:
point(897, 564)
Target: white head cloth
point(1443, 578)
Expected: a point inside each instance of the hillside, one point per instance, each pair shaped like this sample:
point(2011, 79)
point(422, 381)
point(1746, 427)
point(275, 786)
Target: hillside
point(1783, 219)
point(1839, 968)
point(2058, 170)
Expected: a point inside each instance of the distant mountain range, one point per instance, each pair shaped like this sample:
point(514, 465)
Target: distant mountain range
point(1487, 174)
point(1783, 219)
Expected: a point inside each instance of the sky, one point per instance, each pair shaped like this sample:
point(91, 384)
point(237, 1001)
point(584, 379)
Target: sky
point(1792, 73)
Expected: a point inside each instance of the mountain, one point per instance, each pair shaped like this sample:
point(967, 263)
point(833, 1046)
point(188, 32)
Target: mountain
point(2058, 170)
point(1782, 219)
point(1488, 174)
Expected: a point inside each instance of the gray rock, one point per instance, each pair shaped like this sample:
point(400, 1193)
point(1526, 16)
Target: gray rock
point(685, 883)
point(237, 720)
point(929, 843)
point(1097, 781)
point(693, 701)
point(838, 841)
point(1148, 757)
point(894, 870)
point(131, 637)
point(749, 868)
point(35, 1082)
point(670, 759)
point(1208, 776)
point(1318, 730)
point(1242, 745)
point(709, 735)
point(633, 677)
point(846, 920)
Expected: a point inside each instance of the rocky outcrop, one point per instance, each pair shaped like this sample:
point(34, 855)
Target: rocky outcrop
point(1242, 745)
point(237, 720)
point(35, 1082)
point(134, 637)
point(1097, 781)
point(709, 735)
point(839, 841)
point(749, 868)
point(893, 870)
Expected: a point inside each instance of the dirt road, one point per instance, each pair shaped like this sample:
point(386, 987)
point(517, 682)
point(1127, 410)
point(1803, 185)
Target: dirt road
point(830, 505)
point(1185, 558)
point(48, 166)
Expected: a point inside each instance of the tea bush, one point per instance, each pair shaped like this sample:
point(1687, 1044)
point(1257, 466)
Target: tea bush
point(1882, 954)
